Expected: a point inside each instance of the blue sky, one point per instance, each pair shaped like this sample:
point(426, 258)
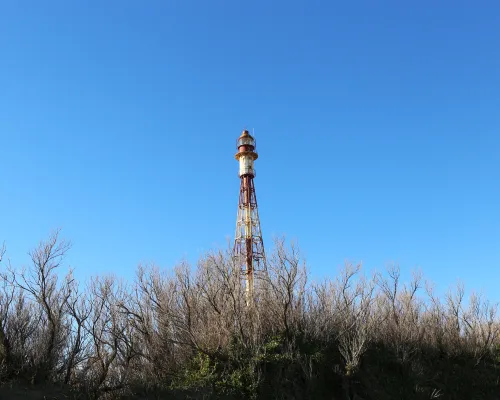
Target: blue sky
point(377, 122)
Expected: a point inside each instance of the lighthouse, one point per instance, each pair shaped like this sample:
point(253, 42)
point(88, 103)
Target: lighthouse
point(248, 248)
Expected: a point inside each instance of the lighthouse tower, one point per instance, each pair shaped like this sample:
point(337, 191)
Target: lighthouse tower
point(248, 245)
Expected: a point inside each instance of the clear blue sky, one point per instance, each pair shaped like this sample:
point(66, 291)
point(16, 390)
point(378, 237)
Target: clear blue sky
point(378, 126)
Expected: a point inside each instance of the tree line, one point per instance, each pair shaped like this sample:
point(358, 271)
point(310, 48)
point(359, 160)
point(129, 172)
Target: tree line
point(189, 333)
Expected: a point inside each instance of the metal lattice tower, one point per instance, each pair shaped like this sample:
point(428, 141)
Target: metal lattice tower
point(248, 245)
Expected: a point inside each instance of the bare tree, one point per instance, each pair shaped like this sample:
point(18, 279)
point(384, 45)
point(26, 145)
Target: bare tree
point(79, 309)
point(285, 288)
point(7, 294)
point(353, 303)
point(106, 370)
point(40, 282)
point(401, 313)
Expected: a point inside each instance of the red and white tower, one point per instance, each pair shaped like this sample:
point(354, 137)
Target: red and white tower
point(248, 245)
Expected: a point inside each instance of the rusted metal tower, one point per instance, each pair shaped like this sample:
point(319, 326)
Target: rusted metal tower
point(248, 245)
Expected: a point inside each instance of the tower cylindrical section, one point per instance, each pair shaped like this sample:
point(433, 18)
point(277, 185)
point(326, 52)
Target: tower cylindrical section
point(246, 165)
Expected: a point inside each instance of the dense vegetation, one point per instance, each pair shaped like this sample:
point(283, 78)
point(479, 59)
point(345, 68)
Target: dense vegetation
point(188, 333)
